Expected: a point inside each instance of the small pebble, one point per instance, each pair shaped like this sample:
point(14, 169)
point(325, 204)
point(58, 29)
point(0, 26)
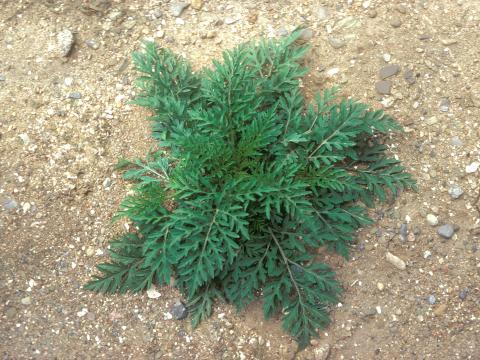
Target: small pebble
point(471, 168)
point(402, 9)
point(387, 57)
point(65, 41)
point(395, 261)
point(383, 87)
point(179, 310)
point(463, 294)
point(388, 71)
point(322, 13)
point(178, 7)
point(75, 95)
point(3, 78)
point(403, 232)
point(230, 21)
point(26, 300)
point(409, 77)
point(92, 44)
point(153, 293)
point(446, 231)
point(395, 22)
point(68, 81)
point(380, 286)
point(455, 191)
point(306, 35)
point(372, 13)
point(432, 220)
point(444, 105)
point(107, 183)
point(9, 204)
point(431, 299)
point(336, 42)
point(196, 4)
point(456, 141)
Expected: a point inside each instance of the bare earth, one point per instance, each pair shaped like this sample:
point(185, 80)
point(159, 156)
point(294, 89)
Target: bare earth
point(65, 121)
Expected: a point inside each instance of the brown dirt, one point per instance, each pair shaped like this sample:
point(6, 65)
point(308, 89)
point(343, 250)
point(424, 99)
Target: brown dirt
point(56, 153)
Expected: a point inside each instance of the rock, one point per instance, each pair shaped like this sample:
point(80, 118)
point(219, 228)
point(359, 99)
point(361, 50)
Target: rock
point(446, 231)
point(463, 294)
point(179, 311)
point(455, 191)
point(305, 36)
point(387, 57)
point(65, 42)
point(431, 299)
point(115, 14)
point(9, 204)
point(90, 251)
point(440, 310)
point(409, 77)
point(444, 105)
point(26, 300)
point(448, 41)
point(230, 20)
point(3, 77)
point(403, 232)
point(372, 13)
point(431, 120)
point(395, 261)
point(388, 71)
point(68, 81)
point(92, 44)
point(196, 4)
point(322, 13)
point(322, 352)
point(75, 95)
point(396, 22)
point(473, 167)
point(380, 286)
point(336, 42)
point(177, 8)
point(107, 183)
point(152, 293)
point(129, 24)
point(432, 220)
point(456, 141)
point(332, 72)
point(383, 87)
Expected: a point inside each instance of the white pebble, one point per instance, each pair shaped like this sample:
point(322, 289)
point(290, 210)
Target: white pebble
point(473, 167)
point(395, 261)
point(152, 293)
point(387, 57)
point(432, 220)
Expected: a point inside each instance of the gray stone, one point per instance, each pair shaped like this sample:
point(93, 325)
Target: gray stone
point(383, 87)
point(11, 312)
point(446, 231)
point(65, 41)
point(455, 191)
point(372, 13)
point(456, 141)
point(75, 95)
point(107, 183)
point(396, 22)
point(444, 105)
point(179, 310)
point(92, 44)
point(306, 35)
point(463, 294)
point(431, 299)
point(9, 204)
point(403, 232)
point(409, 77)
point(3, 78)
point(115, 14)
point(178, 7)
point(336, 42)
point(388, 71)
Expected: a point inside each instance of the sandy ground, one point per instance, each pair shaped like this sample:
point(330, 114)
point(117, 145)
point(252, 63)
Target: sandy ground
point(65, 121)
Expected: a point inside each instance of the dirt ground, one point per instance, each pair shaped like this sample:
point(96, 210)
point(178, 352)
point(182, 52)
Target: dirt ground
point(65, 121)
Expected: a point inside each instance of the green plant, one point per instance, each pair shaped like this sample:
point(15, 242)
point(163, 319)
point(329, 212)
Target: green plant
point(250, 181)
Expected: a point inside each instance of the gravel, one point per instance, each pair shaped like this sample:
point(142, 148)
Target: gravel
point(179, 310)
point(432, 220)
point(446, 231)
point(177, 8)
point(383, 87)
point(455, 191)
point(388, 71)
